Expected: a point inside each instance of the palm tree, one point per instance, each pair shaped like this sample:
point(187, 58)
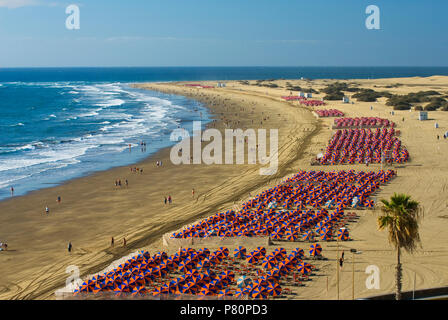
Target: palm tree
point(401, 218)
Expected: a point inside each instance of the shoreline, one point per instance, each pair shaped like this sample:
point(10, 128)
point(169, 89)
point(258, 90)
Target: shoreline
point(221, 187)
point(139, 231)
point(143, 159)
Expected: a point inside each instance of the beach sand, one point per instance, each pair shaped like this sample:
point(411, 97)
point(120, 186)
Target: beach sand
point(93, 210)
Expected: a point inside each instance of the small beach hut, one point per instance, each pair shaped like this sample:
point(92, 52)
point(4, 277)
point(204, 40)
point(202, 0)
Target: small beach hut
point(423, 115)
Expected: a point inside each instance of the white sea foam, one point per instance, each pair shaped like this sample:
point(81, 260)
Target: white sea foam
point(111, 103)
point(20, 124)
point(145, 116)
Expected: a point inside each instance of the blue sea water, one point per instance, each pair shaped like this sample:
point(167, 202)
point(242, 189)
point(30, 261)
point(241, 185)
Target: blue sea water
point(60, 123)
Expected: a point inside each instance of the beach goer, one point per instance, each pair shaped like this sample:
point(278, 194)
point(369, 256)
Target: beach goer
point(12, 191)
point(192, 192)
point(47, 210)
point(59, 199)
point(69, 247)
point(342, 256)
point(112, 242)
point(166, 200)
point(124, 242)
point(341, 262)
point(169, 199)
point(126, 182)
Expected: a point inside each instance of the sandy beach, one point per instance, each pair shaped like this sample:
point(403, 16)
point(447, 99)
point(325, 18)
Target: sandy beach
point(93, 210)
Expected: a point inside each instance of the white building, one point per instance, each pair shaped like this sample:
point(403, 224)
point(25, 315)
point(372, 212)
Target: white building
point(423, 115)
point(301, 94)
point(309, 95)
point(345, 100)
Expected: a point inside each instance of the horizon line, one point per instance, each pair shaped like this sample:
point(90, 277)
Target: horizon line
point(236, 66)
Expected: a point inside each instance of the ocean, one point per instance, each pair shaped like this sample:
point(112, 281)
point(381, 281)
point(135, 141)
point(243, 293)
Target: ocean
point(57, 124)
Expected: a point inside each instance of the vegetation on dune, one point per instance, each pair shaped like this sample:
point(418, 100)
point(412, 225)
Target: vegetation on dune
point(436, 103)
point(338, 87)
point(294, 88)
point(403, 106)
point(409, 99)
point(400, 218)
point(369, 95)
point(311, 90)
point(396, 85)
point(335, 91)
point(334, 96)
point(269, 84)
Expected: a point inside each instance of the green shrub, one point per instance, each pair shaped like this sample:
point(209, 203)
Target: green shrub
point(418, 97)
point(367, 95)
point(334, 96)
point(402, 107)
point(311, 90)
point(294, 88)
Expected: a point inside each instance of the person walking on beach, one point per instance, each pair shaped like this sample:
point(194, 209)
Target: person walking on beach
point(124, 242)
point(69, 247)
point(127, 183)
point(112, 242)
point(47, 210)
point(342, 256)
point(192, 192)
point(59, 199)
point(341, 262)
point(169, 199)
point(165, 200)
point(12, 191)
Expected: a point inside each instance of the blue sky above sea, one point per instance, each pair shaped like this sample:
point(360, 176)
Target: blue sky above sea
point(223, 33)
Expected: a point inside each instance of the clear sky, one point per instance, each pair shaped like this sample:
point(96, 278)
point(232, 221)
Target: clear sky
point(223, 33)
